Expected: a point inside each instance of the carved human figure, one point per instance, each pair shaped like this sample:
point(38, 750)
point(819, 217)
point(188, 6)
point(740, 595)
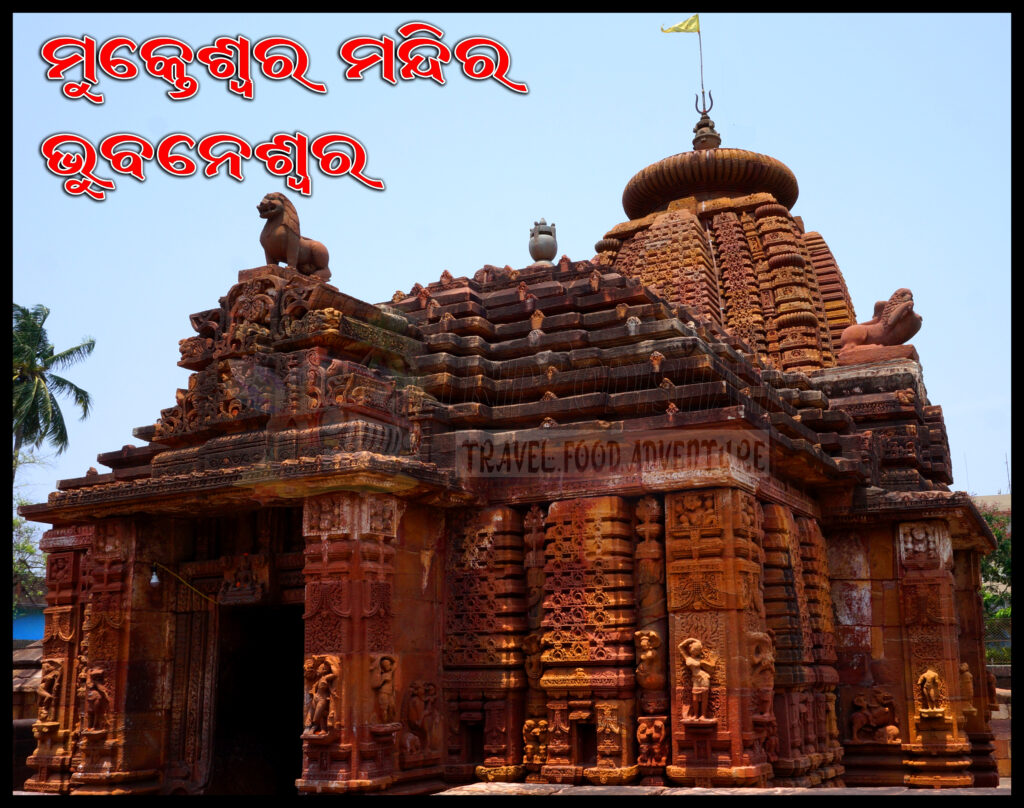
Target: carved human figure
point(432, 717)
point(47, 692)
point(415, 710)
point(650, 573)
point(921, 543)
point(874, 722)
point(650, 734)
point(534, 593)
point(532, 649)
point(540, 734)
point(415, 437)
point(649, 674)
point(97, 699)
point(382, 676)
point(771, 740)
point(529, 741)
point(893, 323)
point(700, 669)
point(966, 683)
point(762, 670)
point(928, 686)
point(322, 697)
point(309, 674)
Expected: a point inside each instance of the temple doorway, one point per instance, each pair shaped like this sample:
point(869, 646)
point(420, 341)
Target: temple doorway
point(256, 747)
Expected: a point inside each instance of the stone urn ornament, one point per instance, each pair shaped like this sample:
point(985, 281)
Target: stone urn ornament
point(543, 246)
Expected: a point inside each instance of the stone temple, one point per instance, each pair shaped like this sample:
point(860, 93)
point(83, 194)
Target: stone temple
point(670, 515)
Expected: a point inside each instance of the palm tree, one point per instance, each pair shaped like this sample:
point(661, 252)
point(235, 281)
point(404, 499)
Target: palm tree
point(37, 415)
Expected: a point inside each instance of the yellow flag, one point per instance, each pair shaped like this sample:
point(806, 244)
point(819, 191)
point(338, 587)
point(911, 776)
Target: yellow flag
point(690, 26)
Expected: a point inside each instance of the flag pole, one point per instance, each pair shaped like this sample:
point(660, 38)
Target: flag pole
point(700, 45)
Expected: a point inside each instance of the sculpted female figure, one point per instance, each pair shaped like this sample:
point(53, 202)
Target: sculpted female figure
point(382, 676)
point(700, 676)
point(322, 697)
point(648, 670)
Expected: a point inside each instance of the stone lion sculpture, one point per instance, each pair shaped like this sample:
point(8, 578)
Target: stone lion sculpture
point(894, 322)
point(282, 241)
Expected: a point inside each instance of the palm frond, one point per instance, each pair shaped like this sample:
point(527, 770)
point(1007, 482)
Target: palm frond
point(61, 385)
point(71, 356)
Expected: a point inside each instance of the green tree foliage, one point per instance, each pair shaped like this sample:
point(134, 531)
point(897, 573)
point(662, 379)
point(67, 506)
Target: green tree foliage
point(36, 413)
point(28, 563)
point(995, 567)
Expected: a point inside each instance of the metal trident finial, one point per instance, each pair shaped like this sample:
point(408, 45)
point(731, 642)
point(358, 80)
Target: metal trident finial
point(708, 108)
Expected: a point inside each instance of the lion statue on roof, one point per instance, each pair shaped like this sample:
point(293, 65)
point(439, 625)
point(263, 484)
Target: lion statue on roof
point(282, 240)
point(893, 323)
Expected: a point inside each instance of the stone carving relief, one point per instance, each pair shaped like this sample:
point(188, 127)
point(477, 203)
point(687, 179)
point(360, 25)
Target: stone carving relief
point(282, 240)
point(323, 679)
point(697, 589)
point(48, 691)
point(919, 545)
point(874, 719)
point(95, 695)
point(535, 741)
point(420, 740)
point(382, 681)
point(893, 323)
point(695, 510)
point(699, 663)
point(242, 582)
point(653, 742)
point(650, 673)
point(967, 690)
point(327, 616)
point(649, 556)
point(930, 692)
point(762, 671)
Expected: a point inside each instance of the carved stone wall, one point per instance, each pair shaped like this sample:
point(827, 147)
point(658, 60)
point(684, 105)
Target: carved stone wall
point(351, 662)
point(485, 621)
point(974, 707)
point(93, 738)
point(938, 748)
point(718, 638)
point(588, 659)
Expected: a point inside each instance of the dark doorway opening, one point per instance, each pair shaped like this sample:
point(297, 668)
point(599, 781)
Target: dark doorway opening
point(258, 721)
point(586, 740)
point(474, 744)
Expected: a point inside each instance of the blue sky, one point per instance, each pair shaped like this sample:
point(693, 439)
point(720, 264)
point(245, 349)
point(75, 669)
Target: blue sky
point(896, 126)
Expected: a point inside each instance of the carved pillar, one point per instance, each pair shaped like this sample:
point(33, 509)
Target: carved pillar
point(351, 670)
point(65, 549)
point(788, 601)
point(588, 642)
point(651, 639)
point(535, 725)
point(974, 704)
point(825, 749)
point(938, 751)
point(483, 657)
point(109, 749)
point(717, 638)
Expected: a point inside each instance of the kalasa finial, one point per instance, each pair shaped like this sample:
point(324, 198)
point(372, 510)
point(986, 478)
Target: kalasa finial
point(543, 246)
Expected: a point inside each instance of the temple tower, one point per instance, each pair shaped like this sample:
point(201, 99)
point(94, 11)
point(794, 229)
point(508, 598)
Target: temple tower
point(711, 229)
